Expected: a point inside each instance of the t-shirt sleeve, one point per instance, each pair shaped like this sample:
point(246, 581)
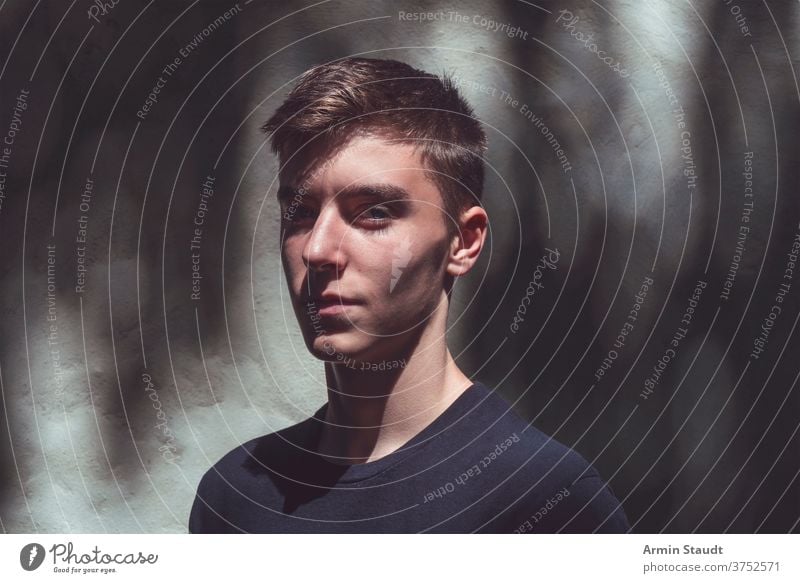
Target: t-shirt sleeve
point(586, 506)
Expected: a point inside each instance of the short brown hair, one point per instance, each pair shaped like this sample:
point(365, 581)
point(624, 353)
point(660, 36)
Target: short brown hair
point(334, 101)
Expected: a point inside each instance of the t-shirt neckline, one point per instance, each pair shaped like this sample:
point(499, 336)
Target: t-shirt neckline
point(349, 473)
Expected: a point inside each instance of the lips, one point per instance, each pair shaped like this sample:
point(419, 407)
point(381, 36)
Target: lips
point(332, 297)
point(331, 303)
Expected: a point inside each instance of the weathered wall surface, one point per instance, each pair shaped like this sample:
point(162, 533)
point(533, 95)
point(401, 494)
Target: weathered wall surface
point(620, 136)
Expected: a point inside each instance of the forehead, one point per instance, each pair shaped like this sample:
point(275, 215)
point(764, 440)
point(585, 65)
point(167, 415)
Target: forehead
point(362, 160)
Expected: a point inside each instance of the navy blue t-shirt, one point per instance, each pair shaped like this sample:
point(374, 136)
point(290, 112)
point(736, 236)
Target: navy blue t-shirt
point(478, 467)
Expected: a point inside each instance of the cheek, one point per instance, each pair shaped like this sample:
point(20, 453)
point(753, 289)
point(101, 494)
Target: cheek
point(375, 267)
point(412, 275)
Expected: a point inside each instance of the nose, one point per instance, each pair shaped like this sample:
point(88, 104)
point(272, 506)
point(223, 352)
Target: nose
point(324, 247)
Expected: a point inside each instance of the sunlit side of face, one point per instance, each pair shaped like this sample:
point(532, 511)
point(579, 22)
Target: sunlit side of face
point(364, 224)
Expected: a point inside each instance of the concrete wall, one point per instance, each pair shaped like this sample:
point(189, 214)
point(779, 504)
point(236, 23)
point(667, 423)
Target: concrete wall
point(119, 389)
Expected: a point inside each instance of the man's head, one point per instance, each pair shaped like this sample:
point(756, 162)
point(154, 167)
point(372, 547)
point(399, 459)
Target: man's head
point(386, 98)
point(381, 177)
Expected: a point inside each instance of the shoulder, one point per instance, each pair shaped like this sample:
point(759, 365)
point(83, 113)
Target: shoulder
point(244, 474)
point(262, 454)
point(557, 489)
point(586, 505)
point(521, 444)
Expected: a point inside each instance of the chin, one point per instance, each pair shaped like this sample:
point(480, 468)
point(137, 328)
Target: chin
point(327, 354)
point(338, 349)
point(328, 349)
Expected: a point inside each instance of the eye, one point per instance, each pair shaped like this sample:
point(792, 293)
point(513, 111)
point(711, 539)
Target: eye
point(375, 215)
point(378, 213)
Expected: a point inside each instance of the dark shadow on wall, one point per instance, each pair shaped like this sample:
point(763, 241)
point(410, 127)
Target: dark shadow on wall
point(188, 212)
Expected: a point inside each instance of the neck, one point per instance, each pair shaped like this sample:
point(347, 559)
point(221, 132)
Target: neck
point(372, 413)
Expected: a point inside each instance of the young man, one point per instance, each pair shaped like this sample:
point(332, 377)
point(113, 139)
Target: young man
point(380, 185)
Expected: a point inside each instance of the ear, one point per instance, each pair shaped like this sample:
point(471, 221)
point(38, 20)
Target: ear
point(466, 245)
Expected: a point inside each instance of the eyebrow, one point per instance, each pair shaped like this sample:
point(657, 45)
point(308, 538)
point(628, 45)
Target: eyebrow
point(382, 192)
